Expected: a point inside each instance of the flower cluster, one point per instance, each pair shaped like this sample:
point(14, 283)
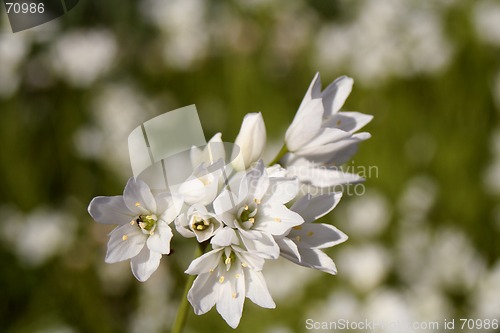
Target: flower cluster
point(243, 212)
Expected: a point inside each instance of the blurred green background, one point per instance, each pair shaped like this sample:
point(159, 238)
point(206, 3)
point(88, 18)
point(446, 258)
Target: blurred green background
point(424, 236)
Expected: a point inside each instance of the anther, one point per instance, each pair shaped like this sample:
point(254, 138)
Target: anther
point(221, 279)
point(124, 237)
point(277, 219)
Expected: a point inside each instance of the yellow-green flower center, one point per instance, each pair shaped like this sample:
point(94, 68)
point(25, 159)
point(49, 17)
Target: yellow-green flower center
point(147, 223)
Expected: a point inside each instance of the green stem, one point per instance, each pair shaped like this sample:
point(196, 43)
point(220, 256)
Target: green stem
point(180, 318)
point(278, 157)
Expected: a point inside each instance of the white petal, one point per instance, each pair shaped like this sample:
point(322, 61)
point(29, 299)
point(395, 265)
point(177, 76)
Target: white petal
point(314, 91)
point(276, 219)
point(335, 95)
point(253, 261)
point(125, 242)
point(276, 171)
point(137, 193)
point(345, 150)
point(257, 182)
point(203, 293)
point(169, 206)
point(348, 121)
point(257, 291)
point(260, 243)
point(281, 190)
point(314, 258)
point(145, 264)
point(231, 297)
point(110, 210)
point(309, 173)
point(224, 205)
point(251, 139)
point(324, 136)
point(313, 208)
point(213, 151)
point(225, 237)
point(287, 247)
point(205, 262)
point(160, 240)
point(317, 235)
point(181, 225)
point(305, 125)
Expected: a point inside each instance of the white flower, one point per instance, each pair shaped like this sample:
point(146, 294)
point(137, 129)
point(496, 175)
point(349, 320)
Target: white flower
point(254, 205)
point(226, 275)
point(319, 131)
point(198, 222)
point(143, 234)
point(303, 243)
point(251, 140)
point(211, 153)
point(203, 186)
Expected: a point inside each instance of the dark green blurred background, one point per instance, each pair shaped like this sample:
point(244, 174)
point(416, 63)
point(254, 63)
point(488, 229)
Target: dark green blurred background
point(423, 238)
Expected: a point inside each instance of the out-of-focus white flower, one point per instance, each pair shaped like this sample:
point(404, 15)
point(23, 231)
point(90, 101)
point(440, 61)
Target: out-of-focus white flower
point(251, 140)
point(385, 39)
point(226, 275)
point(81, 57)
point(38, 236)
point(487, 21)
point(486, 298)
point(321, 138)
point(143, 234)
point(302, 244)
point(185, 28)
point(199, 222)
point(366, 258)
point(366, 216)
point(254, 205)
point(13, 49)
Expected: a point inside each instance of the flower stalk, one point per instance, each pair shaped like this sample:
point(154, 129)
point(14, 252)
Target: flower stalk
point(180, 318)
point(278, 157)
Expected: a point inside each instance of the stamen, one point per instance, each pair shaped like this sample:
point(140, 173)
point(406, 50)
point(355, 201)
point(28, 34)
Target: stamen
point(257, 201)
point(211, 270)
point(244, 264)
point(132, 222)
point(310, 233)
point(234, 295)
point(298, 227)
point(298, 238)
point(138, 204)
point(237, 276)
point(151, 233)
point(221, 279)
point(251, 220)
point(245, 207)
point(124, 237)
point(339, 122)
point(277, 219)
point(227, 261)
